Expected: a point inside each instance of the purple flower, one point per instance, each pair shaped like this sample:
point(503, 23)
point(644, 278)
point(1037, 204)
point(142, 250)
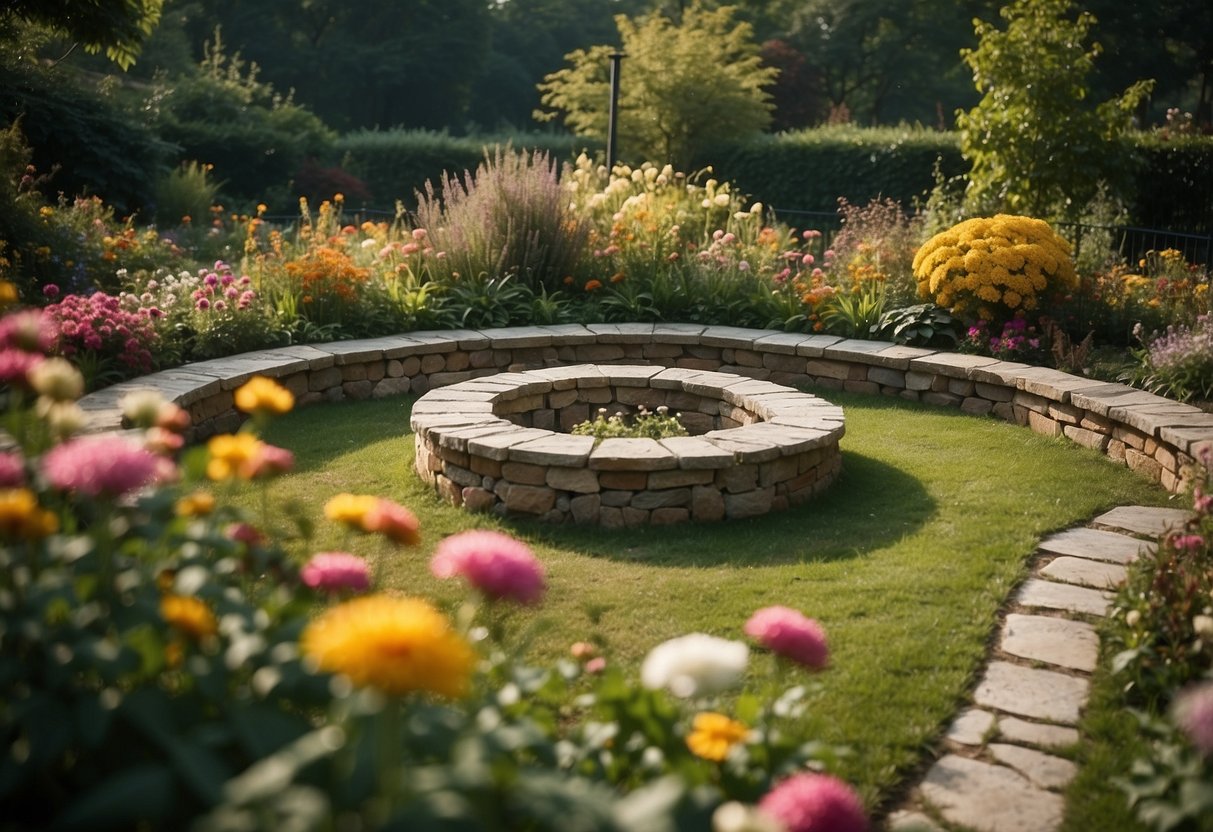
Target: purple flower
point(815, 803)
point(495, 564)
point(109, 466)
point(335, 572)
point(787, 633)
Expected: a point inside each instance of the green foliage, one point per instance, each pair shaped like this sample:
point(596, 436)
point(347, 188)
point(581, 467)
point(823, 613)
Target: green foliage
point(1036, 145)
point(1177, 363)
point(396, 164)
point(253, 138)
point(187, 191)
point(1172, 787)
point(853, 314)
point(683, 85)
point(644, 424)
point(811, 169)
point(117, 27)
point(1171, 188)
point(920, 325)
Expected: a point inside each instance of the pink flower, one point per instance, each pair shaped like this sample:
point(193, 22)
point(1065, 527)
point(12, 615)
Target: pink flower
point(12, 470)
point(815, 803)
point(270, 461)
point(787, 633)
point(1187, 542)
point(16, 364)
point(51, 291)
point(495, 564)
point(595, 665)
point(245, 533)
point(393, 521)
point(30, 330)
point(1203, 503)
point(1193, 711)
point(97, 466)
point(335, 572)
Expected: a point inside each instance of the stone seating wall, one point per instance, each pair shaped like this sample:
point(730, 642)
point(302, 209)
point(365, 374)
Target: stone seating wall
point(1157, 437)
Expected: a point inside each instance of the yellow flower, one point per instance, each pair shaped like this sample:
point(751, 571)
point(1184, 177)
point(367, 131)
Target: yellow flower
point(197, 504)
point(21, 516)
point(351, 509)
point(264, 395)
point(8, 293)
point(398, 645)
point(189, 615)
point(231, 455)
point(713, 734)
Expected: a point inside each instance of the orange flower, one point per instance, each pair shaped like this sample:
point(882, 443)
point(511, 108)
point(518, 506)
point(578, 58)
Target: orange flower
point(189, 615)
point(593, 285)
point(263, 395)
point(713, 734)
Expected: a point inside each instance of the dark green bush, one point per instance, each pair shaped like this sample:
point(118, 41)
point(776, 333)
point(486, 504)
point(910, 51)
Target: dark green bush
point(1174, 184)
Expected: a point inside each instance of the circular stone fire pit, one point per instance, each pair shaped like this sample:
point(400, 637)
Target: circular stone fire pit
point(496, 444)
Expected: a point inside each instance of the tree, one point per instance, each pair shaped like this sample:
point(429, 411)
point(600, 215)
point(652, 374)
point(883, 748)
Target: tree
point(1036, 144)
point(117, 27)
point(683, 87)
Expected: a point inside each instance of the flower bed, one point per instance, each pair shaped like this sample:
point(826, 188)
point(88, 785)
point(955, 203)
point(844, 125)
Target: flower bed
point(490, 444)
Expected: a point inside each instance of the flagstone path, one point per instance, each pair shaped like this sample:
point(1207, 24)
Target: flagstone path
point(998, 768)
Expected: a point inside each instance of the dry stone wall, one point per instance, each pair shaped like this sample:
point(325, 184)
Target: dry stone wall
point(1155, 436)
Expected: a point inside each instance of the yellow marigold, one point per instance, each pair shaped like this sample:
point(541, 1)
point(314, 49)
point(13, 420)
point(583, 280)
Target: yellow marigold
point(8, 293)
point(189, 615)
point(231, 455)
point(21, 516)
point(713, 734)
point(196, 504)
point(398, 645)
point(264, 395)
point(351, 509)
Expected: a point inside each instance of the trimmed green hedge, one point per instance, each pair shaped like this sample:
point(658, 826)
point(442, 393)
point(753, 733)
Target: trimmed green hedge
point(1174, 185)
point(396, 163)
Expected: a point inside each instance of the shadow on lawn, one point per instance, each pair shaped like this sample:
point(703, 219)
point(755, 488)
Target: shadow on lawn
point(871, 505)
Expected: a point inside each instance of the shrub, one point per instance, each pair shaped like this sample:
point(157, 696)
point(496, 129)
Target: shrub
point(185, 194)
point(105, 340)
point(644, 424)
point(1017, 340)
point(1179, 362)
point(993, 268)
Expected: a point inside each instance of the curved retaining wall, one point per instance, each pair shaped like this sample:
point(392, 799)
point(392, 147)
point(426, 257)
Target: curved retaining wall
point(1155, 436)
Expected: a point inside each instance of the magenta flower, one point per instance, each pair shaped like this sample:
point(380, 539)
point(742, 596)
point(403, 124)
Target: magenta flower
point(16, 364)
point(1193, 711)
point(787, 633)
point(495, 564)
point(12, 470)
point(97, 466)
point(814, 803)
point(335, 572)
point(1187, 542)
point(30, 330)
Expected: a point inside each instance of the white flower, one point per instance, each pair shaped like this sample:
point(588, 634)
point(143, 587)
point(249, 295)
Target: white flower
point(1132, 617)
point(694, 664)
point(1203, 625)
point(722, 200)
point(737, 817)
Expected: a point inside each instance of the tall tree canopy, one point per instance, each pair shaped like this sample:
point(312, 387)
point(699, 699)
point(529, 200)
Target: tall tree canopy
point(684, 85)
point(116, 27)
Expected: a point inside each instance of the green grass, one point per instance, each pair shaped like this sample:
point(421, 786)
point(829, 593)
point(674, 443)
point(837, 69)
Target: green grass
point(906, 560)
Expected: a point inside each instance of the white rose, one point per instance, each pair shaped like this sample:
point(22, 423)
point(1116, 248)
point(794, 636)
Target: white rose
point(694, 664)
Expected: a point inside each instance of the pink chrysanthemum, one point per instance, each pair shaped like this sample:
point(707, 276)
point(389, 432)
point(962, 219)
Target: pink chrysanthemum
point(787, 633)
point(336, 572)
point(393, 521)
point(108, 465)
point(12, 470)
point(495, 564)
point(1193, 711)
point(815, 803)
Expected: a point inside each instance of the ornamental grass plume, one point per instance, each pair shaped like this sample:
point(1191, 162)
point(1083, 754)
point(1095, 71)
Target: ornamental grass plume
point(789, 634)
point(815, 803)
point(713, 734)
point(103, 466)
point(336, 572)
point(397, 645)
point(694, 665)
point(993, 267)
point(498, 566)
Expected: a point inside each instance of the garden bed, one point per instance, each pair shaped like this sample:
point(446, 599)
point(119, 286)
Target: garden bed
point(491, 445)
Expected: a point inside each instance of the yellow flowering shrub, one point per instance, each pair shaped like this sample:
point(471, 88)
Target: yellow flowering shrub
point(994, 267)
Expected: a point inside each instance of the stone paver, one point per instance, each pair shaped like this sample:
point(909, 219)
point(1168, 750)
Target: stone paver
point(1038, 734)
point(1065, 597)
point(1031, 692)
point(1058, 641)
point(989, 798)
point(1145, 520)
point(1083, 572)
point(971, 727)
point(1045, 770)
point(905, 821)
point(1095, 544)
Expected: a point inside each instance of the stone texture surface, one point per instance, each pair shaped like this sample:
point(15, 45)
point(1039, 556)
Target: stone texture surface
point(1042, 735)
point(970, 727)
point(1095, 544)
point(1045, 770)
point(1066, 597)
point(989, 798)
point(1031, 692)
point(1095, 574)
point(1144, 520)
point(1056, 641)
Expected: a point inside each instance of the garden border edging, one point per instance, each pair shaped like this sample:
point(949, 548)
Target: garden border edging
point(1155, 436)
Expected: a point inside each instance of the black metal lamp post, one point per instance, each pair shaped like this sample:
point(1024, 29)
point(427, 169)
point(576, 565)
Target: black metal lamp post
point(613, 114)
